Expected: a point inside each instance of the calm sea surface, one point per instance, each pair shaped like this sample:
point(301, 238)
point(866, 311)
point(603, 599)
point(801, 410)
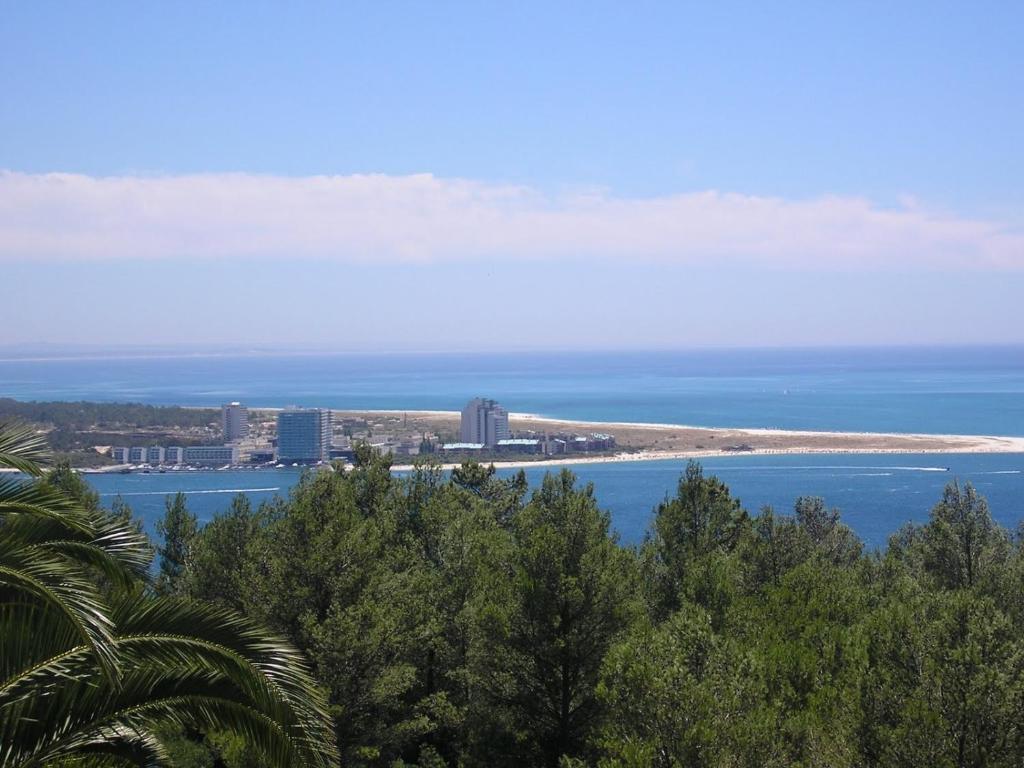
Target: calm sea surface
point(972, 390)
point(876, 493)
point(954, 390)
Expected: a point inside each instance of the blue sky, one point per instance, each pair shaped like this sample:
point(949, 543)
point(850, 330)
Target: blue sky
point(706, 174)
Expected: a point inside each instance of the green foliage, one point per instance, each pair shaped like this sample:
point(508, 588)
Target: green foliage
point(83, 415)
point(63, 479)
point(962, 544)
point(215, 568)
point(571, 592)
point(456, 621)
point(72, 429)
point(504, 496)
point(94, 669)
point(177, 531)
point(680, 694)
point(826, 537)
point(702, 520)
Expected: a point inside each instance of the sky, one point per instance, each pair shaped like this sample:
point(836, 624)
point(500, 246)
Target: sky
point(467, 176)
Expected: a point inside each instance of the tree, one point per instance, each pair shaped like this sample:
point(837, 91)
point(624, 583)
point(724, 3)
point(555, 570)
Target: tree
point(702, 520)
point(680, 694)
point(828, 537)
point(91, 676)
point(473, 476)
point(505, 496)
point(808, 638)
point(177, 530)
point(65, 480)
point(947, 683)
point(341, 574)
point(961, 541)
point(776, 545)
point(571, 591)
point(217, 570)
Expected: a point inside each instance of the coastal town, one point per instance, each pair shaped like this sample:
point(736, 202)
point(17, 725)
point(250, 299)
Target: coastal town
point(483, 431)
point(297, 436)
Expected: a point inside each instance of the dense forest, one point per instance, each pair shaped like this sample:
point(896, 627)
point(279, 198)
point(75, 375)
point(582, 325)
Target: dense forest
point(78, 416)
point(464, 620)
point(73, 428)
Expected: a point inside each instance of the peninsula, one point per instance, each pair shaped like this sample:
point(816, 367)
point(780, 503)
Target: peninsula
point(642, 441)
point(87, 435)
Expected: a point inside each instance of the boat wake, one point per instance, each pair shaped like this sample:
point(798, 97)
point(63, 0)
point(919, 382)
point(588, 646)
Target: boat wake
point(191, 493)
point(813, 467)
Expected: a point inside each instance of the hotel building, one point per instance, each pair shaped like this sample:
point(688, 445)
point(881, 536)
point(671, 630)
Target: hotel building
point(304, 435)
point(235, 421)
point(485, 422)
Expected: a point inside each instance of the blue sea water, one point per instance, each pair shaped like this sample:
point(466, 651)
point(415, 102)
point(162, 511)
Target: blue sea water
point(974, 390)
point(876, 494)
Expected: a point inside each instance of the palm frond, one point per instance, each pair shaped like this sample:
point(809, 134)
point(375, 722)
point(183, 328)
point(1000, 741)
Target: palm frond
point(61, 588)
point(18, 496)
point(116, 745)
point(88, 674)
point(189, 664)
point(114, 548)
point(22, 448)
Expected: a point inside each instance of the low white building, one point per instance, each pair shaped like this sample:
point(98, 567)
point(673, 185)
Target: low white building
point(519, 445)
point(462, 447)
point(211, 455)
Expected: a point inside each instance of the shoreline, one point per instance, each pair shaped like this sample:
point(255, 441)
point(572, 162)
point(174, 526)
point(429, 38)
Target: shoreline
point(652, 441)
point(684, 441)
point(777, 442)
point(688, 455)
point(967, 443)
point(665, 426)
point(617, 458)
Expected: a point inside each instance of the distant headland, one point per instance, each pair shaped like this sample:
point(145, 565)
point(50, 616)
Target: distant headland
point(126, 437)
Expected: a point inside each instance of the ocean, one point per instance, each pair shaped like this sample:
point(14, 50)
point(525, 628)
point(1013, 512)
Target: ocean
point(876, 494)
point(972, 390)
point(939, 390)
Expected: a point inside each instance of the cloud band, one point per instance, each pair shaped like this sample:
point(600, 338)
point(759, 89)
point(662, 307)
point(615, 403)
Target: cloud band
point(426, 219)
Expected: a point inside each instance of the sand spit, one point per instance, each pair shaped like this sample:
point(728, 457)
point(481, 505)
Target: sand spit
point(653, 442)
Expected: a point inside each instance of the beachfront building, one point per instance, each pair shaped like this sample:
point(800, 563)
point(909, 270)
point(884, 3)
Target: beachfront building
point(211, 455)
point(303, 435)
point(462, 447)
point(137, 455)
point(520, 445)
point(174, 455)
point(485, 422)
point(235, 421)
point(555, 446)
point(155, 455)
point(119, 454)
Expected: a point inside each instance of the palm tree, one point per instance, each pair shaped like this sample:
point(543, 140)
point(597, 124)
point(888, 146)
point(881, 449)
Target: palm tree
point(93, 665)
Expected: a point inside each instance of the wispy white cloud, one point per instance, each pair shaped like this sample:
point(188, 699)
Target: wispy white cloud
point(425, 219)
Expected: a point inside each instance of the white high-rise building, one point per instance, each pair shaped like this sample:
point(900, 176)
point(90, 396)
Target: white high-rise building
point(234, 418)
point(484, 422)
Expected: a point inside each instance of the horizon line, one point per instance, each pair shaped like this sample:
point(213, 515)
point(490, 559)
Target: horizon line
point(176, 351)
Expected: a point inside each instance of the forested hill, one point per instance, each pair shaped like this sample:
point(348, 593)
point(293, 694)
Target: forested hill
point(74, 427)
point(84, 415)
point(466, 621)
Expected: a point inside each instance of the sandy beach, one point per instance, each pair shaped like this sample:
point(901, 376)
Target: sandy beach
point(652, 442)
